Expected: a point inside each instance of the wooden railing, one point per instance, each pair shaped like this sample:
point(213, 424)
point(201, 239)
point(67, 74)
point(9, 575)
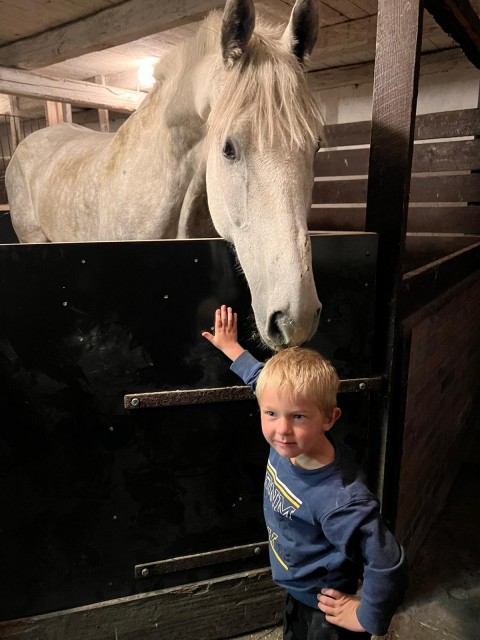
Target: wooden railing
point(445, 186)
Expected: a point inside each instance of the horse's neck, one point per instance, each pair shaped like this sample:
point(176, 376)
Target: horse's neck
point(172, 118)
point(161, 145)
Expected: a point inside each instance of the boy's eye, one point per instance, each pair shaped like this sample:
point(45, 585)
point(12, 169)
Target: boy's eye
point(298, 416)
point(270, 413)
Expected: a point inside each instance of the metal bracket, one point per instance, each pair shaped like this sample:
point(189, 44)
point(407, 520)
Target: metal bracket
point(183, 563)
point(184, 397)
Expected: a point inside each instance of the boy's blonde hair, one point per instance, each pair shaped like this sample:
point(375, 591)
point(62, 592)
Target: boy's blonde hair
point(299, 371)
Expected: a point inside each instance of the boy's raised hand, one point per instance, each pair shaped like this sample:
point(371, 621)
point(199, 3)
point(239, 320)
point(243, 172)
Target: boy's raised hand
point(225, 333)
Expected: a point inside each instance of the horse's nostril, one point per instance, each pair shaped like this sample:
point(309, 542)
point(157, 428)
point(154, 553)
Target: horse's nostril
point(280, 328)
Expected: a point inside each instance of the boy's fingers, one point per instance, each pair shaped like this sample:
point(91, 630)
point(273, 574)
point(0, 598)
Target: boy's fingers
point(326, 609)
point(207, 335)
point(331, 593)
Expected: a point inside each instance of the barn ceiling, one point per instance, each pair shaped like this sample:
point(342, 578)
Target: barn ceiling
point(107, 40)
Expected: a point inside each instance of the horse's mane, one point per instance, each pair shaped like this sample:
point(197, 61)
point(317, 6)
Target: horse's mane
point(267, 87)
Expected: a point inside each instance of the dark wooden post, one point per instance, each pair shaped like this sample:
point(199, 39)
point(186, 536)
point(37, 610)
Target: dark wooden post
point(397, 60)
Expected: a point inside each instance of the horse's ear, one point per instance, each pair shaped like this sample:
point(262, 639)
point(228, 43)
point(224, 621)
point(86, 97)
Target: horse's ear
point(237, 28)
point(302, 30)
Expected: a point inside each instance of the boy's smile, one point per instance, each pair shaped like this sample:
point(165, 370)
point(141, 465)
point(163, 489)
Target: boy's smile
point(295, 427)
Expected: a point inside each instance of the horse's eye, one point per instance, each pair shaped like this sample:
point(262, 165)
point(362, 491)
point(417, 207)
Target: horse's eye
point(229, 150)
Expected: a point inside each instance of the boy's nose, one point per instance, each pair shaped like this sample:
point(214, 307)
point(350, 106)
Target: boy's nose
point(283, 426)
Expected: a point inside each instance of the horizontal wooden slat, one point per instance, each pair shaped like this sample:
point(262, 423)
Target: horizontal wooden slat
point(76, 92)
point(342, 162)
point(465, 220)
point(463, 155)
point(444, 220)
point(348, 133)
point(454, 155)
point(219, 608)
point(340, 192)
point(446, 124)
point(445, 188)
point(337, 219)
point(430, 279)
point(462, 188)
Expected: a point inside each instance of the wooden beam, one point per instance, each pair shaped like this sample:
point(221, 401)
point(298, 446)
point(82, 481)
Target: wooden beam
point(395, 90)
point(460, 20)
point(219, 608)
point(15, 128)
point(112, 26)
point(77, 92)
point(53, 113)
point(103, 117)
point(435, 62)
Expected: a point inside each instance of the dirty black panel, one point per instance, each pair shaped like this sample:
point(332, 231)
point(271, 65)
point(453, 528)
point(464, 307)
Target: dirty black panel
point(87, 489)
point(7, 233)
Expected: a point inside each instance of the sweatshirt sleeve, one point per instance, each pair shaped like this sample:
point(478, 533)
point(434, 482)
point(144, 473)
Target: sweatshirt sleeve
point(247, 368)
point(360, 533)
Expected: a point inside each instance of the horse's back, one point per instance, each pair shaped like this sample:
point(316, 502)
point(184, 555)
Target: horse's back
point(46, 142)
point(43, 162)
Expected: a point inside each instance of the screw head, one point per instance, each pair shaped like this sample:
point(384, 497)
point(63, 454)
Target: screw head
point(145, 572)
point(257, 551)
point(362, 386)
point(135, 402)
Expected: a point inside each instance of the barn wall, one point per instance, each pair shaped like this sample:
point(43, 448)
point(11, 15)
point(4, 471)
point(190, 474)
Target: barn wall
point(443, 385)
point(445, 91)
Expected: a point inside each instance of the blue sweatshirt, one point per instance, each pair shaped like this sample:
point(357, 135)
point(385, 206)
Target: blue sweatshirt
point(325, 530)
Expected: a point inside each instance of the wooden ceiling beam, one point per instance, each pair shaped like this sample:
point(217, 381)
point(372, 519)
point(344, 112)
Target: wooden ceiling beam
point(460, 20)
point(357, 74)
point(110, 27)
point(77, 92)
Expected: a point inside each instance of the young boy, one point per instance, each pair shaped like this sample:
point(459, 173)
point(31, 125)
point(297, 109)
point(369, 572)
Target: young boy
point(324, 526)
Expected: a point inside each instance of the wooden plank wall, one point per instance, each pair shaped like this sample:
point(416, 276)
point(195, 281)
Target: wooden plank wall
point(445, 186)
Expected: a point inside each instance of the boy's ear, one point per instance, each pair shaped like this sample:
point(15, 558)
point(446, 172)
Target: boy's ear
point(331, 418)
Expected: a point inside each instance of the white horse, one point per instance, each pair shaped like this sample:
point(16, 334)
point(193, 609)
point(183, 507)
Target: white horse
point(230, 121)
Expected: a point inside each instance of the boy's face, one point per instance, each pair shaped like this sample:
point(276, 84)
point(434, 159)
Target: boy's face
point(295, 426)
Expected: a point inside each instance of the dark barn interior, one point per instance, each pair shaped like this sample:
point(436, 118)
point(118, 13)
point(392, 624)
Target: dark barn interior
point(96, 540)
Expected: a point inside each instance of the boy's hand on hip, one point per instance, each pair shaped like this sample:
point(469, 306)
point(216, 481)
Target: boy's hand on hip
point(225, 336)
point(340, 609)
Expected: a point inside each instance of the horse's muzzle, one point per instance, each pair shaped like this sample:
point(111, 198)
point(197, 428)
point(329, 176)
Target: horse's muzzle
point(283, 331)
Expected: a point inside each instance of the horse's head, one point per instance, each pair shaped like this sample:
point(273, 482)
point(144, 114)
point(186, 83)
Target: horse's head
point(263, 134)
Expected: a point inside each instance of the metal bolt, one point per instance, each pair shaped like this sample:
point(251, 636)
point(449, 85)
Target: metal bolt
point(366, 284)
point(257, 551)
point(367, 253)
point(362, 386)
point(135, 402)
point(145, 572)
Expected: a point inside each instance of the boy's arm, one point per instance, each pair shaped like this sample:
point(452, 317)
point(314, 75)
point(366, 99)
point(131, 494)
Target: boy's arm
point(225, 336)
point(359, 531)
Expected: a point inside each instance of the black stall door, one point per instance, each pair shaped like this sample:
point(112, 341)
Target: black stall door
point(88, 489)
